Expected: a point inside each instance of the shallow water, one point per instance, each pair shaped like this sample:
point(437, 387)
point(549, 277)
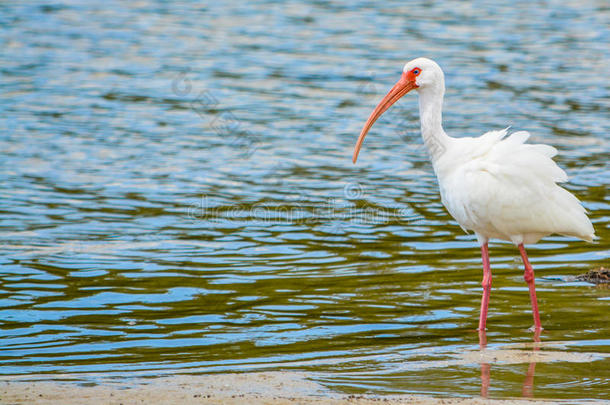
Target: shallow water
point(178, 193)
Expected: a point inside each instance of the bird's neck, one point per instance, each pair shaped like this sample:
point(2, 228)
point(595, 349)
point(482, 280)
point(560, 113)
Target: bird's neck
point(431, 117)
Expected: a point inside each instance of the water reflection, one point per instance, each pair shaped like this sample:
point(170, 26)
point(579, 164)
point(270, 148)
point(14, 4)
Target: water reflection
point(485, 367)
point(527, 390)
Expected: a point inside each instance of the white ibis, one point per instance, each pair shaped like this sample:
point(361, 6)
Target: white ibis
point(495, 185)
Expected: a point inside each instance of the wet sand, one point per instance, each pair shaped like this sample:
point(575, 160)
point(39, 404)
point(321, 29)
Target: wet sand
point(276, 388)
point(273, 388)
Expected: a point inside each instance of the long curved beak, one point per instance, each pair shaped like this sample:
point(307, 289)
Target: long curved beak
point(402, 87)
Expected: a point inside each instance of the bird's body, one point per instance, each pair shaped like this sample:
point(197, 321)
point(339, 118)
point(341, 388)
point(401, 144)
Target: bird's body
point(501, 187)
point(496, 185)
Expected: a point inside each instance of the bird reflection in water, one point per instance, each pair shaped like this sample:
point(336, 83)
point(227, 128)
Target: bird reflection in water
point(527, 390)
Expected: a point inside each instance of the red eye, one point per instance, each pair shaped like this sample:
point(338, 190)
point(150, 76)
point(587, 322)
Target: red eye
point(416, 71)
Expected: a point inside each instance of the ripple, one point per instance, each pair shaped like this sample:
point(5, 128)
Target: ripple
point(178, 193)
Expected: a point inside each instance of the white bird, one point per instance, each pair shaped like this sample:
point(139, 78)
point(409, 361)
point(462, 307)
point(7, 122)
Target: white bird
point(495, 185)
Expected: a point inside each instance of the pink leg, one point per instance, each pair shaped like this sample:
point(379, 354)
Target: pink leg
point(486, 286)
point(529, 279)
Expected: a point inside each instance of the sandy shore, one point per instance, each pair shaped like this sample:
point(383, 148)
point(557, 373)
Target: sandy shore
point(254, 388)
point(275, 388)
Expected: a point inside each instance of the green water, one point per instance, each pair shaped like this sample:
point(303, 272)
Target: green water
point(178, 194)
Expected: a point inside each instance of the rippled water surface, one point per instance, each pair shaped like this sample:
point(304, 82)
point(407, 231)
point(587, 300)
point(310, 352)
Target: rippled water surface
point(178, 193)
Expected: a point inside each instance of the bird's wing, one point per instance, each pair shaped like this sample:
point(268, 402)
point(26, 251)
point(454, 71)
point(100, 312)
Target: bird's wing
point(507, 188)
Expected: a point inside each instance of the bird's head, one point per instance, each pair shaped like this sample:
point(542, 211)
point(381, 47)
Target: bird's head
point(420, 74)
point(424, 73)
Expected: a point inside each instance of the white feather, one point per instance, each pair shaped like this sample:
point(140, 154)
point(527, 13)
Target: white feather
point(500, 187)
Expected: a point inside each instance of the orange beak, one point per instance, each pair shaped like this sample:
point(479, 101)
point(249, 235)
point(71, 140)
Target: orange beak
point(402, 87)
